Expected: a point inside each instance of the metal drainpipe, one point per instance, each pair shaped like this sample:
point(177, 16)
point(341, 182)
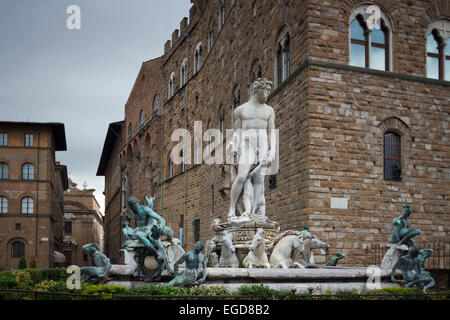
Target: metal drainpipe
point(184, 155)
point(37, 199)
point(163, 79)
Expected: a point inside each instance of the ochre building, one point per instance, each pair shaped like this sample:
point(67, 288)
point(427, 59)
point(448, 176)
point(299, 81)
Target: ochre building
point(362, 110)
point(83, 224)
point(32, 185)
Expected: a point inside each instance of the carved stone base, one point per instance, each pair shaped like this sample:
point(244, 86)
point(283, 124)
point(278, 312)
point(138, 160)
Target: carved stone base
point(243, 232)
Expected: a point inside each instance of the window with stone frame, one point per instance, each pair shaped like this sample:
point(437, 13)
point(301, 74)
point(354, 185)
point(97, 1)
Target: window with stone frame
point(198, 57)
point(438, 49)
point(183, 73)
point(170, 168)
point(29, 140)
point(283, 57)
point(3, 139)
point(27, 171)
point(3, 205)
point(17, 249)
point(3, 171)
point(141, 119)
point(370, 44)
point(210, 40)
point(27, 205)
point(171, 90)
point(392, 156)
point(68, 227)
point(155, 108)
point(196, 225)
point(130, 131)
point(221, 14)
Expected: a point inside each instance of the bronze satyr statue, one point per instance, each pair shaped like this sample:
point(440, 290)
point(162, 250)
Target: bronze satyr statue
point(99, 273)
point(195, 263)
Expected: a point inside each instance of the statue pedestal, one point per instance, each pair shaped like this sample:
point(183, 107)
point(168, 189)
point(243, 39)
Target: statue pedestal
point(127, 257)
point(243, 230)
point(392, 255)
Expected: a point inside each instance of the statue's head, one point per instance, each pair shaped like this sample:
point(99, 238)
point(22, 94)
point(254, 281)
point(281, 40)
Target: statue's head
point(425, 253)
point(340, 255)
point(125, 223)
point(133, 202)
point(91, 248)
point(406, 209)
point(199, 246)
point(261, 89)
point(156, 231)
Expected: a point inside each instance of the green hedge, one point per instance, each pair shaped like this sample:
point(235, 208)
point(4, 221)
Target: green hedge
point(53, 280)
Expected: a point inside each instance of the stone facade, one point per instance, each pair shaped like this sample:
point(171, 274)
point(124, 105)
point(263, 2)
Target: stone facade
point(332, 119)
point(131, 157)
point(34, 225)
point(83, 223)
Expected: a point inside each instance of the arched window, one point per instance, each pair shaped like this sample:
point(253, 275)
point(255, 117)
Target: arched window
point(28, 171)
point(283, 57)
point(141, 119)
point(3, 205)
point(359, 48)
point(155, 105)
point(183, 73)
point(171, 85)
point(370, 44)
point(27, 205)
point(438, 50)
point(198, 57)
point(3, 171)
point(17, 249)
point(392, 156)
point(130, 131)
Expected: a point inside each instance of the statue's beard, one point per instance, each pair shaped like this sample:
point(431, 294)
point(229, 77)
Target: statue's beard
point(261, 99)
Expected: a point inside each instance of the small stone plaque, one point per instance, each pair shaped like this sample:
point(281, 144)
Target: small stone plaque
point(339, 203)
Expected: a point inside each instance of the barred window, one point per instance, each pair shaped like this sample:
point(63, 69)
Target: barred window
point(196, 225)
point(3, 139)
point(3, 205)
point(392, 156)
point(28, 171)
point(3, 171)
point(27, 205)
point(29, 137)
point(17, 249)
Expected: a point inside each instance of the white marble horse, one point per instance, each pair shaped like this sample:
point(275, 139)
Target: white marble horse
point(228, 258)
point(283, 252)
point(291, 243)
point(257, 255)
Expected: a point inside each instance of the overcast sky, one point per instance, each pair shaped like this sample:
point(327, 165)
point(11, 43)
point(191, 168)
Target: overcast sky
point(82, 78)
